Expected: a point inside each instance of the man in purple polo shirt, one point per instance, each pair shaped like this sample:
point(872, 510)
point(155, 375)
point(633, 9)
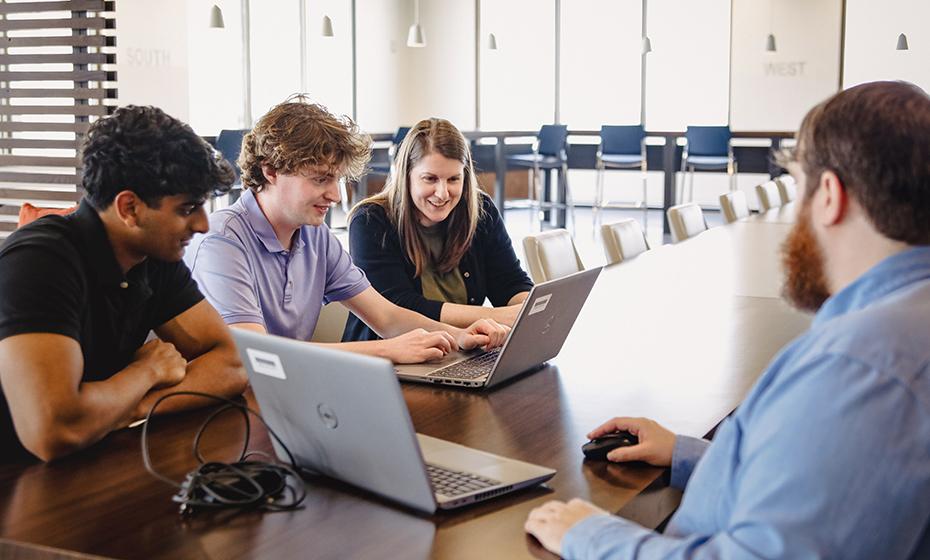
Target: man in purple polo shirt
point(269, 263)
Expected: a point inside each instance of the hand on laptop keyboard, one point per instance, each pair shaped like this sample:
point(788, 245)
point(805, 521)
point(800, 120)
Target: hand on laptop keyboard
point(417, 346)
point(485, 333)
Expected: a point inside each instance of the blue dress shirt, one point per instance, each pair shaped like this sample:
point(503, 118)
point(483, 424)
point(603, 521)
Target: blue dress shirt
point(828, 456)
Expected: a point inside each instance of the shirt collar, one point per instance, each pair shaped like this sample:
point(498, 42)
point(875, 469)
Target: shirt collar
point(104, 265)
point(891, 274)
point(262, 227)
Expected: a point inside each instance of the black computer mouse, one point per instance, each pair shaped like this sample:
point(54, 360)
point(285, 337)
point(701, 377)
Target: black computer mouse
point(598, 448)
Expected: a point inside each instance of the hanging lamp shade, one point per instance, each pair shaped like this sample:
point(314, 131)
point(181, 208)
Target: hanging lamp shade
point(647, 45)
point(216, 18)
point(327, 27)
point(492, 42)
point(902, 42)
point(770, 43)
point(415, 36)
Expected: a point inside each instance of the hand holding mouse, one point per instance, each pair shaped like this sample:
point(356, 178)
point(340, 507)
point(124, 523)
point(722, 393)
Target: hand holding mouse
point(654, 444)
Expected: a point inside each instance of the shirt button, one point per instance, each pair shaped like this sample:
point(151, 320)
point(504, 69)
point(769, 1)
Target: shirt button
point(124, 285)
point(466, 275)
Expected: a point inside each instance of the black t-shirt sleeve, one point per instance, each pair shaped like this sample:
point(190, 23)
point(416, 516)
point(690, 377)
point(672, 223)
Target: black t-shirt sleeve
point(42, 290)
point(174, 292)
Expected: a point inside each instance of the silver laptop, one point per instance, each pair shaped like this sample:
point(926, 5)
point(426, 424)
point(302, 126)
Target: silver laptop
point(537, 336)
point(343, 415)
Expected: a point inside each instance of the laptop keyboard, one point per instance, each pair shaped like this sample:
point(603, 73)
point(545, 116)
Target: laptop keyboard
point(454, 483)
point(472, 368)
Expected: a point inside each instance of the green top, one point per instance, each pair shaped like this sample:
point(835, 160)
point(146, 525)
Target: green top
point(450, 287)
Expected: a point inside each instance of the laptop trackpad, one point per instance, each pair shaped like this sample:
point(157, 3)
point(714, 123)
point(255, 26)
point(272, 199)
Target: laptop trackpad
point(458, 457)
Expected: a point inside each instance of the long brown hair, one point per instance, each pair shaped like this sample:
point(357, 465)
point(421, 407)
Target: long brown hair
point(427, 137)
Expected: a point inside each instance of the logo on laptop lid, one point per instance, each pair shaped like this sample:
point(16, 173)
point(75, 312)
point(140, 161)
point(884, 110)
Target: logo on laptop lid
point(540, 304)
point(266, 363)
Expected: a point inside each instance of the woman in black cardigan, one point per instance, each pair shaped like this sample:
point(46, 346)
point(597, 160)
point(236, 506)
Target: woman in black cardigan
point(431, 241)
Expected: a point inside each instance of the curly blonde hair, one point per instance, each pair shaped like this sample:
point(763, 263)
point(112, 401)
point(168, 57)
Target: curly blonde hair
point(297, 134)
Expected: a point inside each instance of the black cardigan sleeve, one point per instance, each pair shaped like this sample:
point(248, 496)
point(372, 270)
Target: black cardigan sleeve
point(504, 276)
point(375, 248)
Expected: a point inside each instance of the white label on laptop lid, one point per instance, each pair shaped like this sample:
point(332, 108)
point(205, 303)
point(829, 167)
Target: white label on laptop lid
point(540, 304)
point(266, 363)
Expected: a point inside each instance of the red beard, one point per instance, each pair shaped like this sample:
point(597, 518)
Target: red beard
point(805, 282)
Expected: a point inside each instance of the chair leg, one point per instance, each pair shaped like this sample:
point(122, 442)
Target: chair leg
point(569, 202)
point(645, 201)
point(598, 198)
point(732, 171)
point(535, 197)
point(691, 184)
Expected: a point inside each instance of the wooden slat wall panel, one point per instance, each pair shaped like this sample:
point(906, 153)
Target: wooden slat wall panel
point(70, 23)
point(82, 110)
point(80, 58)
point(33, 195)
point(68, 6)
point(42, 178)
point(40, 161)
point(73, 93)
point(69, 41)
point(39, 144)
point(80, 127)
point(74, 76)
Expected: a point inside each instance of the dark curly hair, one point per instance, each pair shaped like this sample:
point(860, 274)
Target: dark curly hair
point(146, 151)
point(876, 138)
point(297, 134)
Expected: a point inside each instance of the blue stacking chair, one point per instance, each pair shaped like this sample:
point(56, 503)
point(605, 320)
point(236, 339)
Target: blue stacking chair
point(550, 151)
point(707, 147)
point(622, 147)
point(229, 144)
point(384, 168)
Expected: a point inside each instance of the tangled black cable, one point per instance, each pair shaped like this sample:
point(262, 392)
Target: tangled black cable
point(247, 483)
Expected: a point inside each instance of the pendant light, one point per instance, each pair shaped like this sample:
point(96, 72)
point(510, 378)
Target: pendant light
point(902, 42)
point(216, 18)
point(415, 36)
point(327, 27)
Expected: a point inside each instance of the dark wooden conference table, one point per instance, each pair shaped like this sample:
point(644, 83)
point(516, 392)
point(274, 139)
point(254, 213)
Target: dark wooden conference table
point(678, 334)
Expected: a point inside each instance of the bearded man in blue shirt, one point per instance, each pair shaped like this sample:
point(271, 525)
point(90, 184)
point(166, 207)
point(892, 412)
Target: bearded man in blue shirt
point(829, 455)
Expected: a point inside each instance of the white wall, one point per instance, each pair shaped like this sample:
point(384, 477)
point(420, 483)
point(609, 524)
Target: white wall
point(152, 55)
point(872, 30)
point(687, 72)
point(518, 79)
point(600, 70)
point(215, 67)
point(439, 80)
point(330, 58)
point(382, 31)
point(275, 43)
point(774, 90)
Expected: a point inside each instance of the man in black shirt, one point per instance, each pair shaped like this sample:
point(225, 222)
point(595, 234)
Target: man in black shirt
point(79, 294)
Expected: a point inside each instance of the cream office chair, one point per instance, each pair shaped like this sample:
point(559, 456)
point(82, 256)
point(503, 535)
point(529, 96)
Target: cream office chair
point(787, 189)
point(623, 240)
point(734, 206)
point(686, 220)
point(768, 196)
point(551, 255)
point(331, 324)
